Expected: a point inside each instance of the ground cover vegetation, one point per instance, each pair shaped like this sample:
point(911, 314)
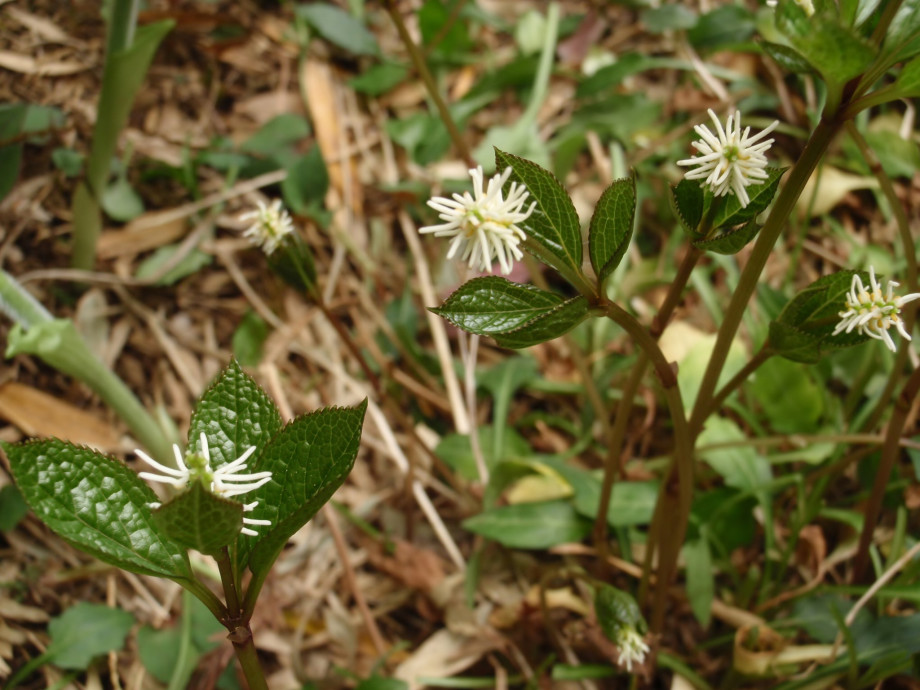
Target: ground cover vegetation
point(459, 344)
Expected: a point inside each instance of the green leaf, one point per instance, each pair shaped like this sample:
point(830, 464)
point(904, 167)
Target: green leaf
point(490, 305)
point(687, 203)
point(95, 503)
point(457, 451)
point(379, 79)
point(339, 27)
point(306, 182)
point(700, 580)
point(198, 519)
point(234, 414)
point(793, 344)
point(725, 26)
point(787, 58)
point(730, 242)
point(190, 263)
point(668, 18)
point(293, 263)
point(12, 507)
point(789, 396)
point(66, 160)
point(904, 30)
point(803, 330)
point(553, 229)
point(309, 460)
point(731, 212)
point(610, 76)
point(616, 612)
point(86, 631)
point(249, 338)
point(280, 133)
point(836, 51)
point(741, 467)
point(121, 202)
point(552, 324)
point(612, 226)
point(531, 525)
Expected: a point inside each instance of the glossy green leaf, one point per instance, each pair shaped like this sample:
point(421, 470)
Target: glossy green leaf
point(552, 324)
point(86, 631)
point(612, 226)
point(787, 58)
point(491, 305)
point(793, 344)
point(531, 525)
point(309, 460)
point(687, 203)
point(904, 31)
point(617, 611)
point(339, 27)
point(730, 242)
point(803, 330)
point(731, 212)
point(553, 229)
point(836, 51)
point(700, 579)
point(197, 519)
point(234, 413)
point(97, 504)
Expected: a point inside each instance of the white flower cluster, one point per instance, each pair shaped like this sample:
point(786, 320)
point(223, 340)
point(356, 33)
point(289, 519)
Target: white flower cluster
point(806, 5)
point(871, 312)
point(632, 647)
point(483, 224)
point(271, 224)
point(224, 482)
point(732, 161)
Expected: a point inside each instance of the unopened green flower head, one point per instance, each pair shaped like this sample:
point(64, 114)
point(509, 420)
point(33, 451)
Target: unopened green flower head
point(871, 312)
point(484, 225)
point(732, 161)
point(271, 224)
point(225, 481)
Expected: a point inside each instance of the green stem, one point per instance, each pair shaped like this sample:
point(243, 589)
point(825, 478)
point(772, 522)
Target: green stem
point(229, 581)
point(246, 654)
point(676, 495)
point(181, 671)
point(206, 597)
point(890, 452)
point(785, 203)
point(418, 60)
point(624, 410)
point(122, 25)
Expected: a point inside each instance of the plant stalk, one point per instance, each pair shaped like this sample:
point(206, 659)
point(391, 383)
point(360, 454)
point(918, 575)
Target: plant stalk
point(814, 150)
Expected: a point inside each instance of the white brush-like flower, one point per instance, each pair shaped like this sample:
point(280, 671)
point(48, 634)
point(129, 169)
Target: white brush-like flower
point(271, 224)
point(483, 224)
point(731, 161)
point(632, 647)
point(807, 5)
point(225, 481)
point(871, 312)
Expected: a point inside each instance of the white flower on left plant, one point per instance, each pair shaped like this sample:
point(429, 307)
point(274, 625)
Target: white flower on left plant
point(484, 224)
point(270, 226)
point(225, 481)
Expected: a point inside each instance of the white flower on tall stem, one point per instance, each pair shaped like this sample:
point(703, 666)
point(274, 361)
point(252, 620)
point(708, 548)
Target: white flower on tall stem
point(632, 647)
point(807, 5)
point(871, 312)
point(731, 161)
point(483, 224)
point(271, 225)
point(224, 482)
